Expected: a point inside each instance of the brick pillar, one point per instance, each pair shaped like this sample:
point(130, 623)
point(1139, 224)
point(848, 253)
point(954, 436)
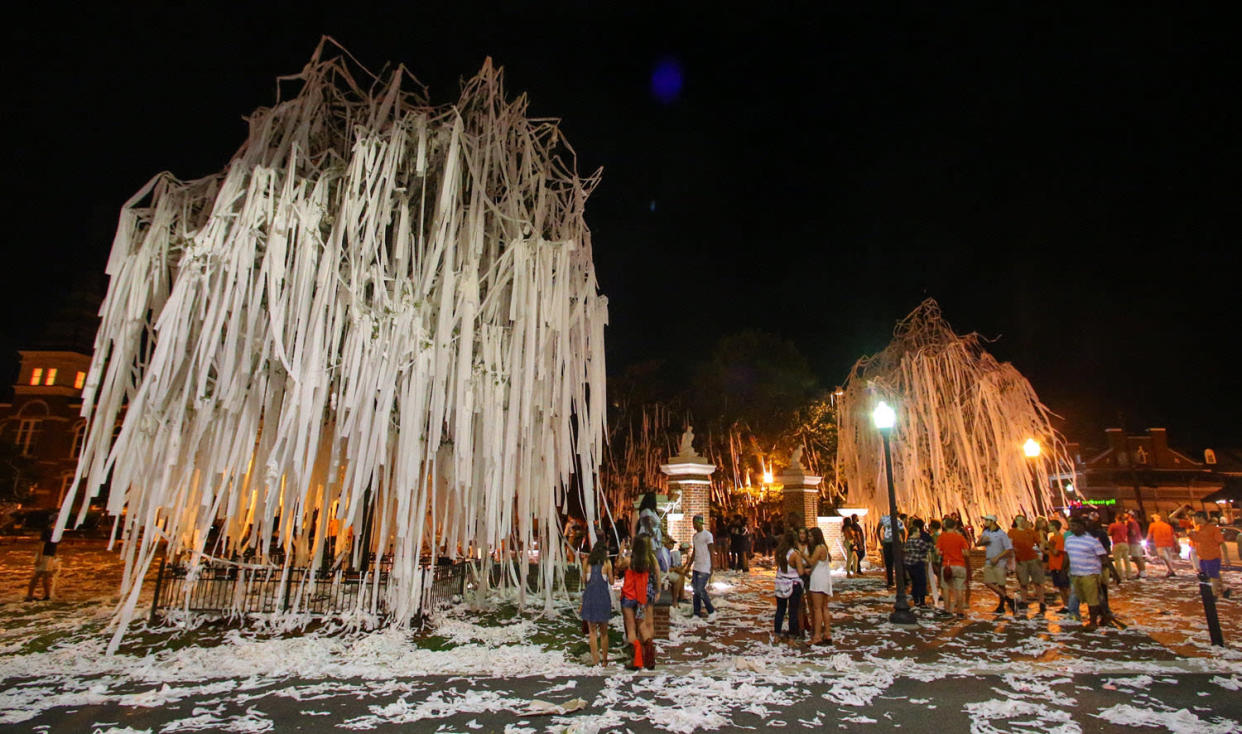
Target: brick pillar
point(689, 487)
point(834, 537)
point(800, 495)
point(662, 606)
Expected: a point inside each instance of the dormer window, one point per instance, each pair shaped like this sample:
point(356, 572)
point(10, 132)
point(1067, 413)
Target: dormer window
point(51, 376)
point(36, 376)
point(79, 380)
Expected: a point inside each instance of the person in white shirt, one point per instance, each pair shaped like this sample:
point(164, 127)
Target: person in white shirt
point(999, 549)
point(701, 551)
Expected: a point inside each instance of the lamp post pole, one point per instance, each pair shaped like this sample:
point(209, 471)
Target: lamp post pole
point(901, 608)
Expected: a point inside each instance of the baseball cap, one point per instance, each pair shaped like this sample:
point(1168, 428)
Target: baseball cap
point(990, 517)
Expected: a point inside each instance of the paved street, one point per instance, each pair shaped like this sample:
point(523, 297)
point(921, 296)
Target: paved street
point(1088, 703)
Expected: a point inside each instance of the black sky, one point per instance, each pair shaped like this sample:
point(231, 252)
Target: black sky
point(1068, 182)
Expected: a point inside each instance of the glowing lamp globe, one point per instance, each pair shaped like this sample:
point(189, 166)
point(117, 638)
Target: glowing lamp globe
point(884, 417)
point(1031, 448)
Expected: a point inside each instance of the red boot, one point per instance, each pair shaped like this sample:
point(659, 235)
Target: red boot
point(638, 656)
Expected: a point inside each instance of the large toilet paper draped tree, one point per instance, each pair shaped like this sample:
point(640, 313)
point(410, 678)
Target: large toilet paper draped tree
point(381, 313)
point(963, 420)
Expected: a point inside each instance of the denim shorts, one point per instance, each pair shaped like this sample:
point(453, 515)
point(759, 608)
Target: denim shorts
point(627, 603)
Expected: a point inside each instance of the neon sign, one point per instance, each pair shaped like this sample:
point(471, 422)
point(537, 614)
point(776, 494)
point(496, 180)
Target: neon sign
point(1096, 503)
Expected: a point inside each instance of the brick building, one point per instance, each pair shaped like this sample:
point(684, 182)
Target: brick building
point(1143, 472)
point(41, 427)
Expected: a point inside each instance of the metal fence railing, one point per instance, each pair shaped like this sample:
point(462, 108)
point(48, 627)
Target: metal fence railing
point(218, 587)
point(446, 581)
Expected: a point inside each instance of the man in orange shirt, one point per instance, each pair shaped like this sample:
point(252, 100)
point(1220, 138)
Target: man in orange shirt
point(1056, 560)
point(1208, 541)
point(1030, 566)
point(1160, 535)
point(953, 546)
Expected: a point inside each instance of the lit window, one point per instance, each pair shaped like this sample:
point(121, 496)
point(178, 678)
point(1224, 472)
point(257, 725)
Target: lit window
point(51, 376)
point(28, 432)
point(79, 380)
point(36, 376)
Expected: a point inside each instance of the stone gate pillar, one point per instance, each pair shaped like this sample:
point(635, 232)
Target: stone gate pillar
point(800, 494)
point(689, 478)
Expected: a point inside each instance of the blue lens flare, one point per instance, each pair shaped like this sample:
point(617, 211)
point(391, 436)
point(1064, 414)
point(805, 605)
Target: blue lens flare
point(667, 80)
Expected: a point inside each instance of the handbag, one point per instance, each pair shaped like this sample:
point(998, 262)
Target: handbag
point(785, 586)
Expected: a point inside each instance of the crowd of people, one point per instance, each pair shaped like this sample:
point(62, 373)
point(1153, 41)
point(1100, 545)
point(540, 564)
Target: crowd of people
point(1079, 557)
point(646, 563)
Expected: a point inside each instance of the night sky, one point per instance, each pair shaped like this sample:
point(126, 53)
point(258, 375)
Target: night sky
point(1068, 183)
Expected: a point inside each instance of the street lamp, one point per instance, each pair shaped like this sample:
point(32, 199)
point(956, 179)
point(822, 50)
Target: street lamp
point(884, 418)
point(1032, 450)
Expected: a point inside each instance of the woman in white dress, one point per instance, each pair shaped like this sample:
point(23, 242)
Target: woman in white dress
point(820, 588)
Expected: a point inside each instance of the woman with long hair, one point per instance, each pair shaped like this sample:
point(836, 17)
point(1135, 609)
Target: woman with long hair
point(859, 545)
point(642, 577)
point(788, 583)
point(597, 601)
point(804, 550)
point(820, 588)
point(647, 507)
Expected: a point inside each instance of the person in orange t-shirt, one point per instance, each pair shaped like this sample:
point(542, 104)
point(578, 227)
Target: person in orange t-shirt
point(952, 546)
point(1160, 534)
point(1208, 540)
point(1119, 534)
point(1030, 567)
point(1056, 561)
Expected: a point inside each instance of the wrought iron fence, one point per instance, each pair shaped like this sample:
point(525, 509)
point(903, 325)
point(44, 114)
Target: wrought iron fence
point(217, 587)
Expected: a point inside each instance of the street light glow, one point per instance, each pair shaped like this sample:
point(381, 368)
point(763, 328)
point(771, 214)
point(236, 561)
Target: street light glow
point(1031, 448)
point(883, 416)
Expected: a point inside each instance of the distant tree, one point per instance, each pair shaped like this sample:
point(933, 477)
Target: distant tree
point(752, 402)
point(753, 379)
point(814, 427)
